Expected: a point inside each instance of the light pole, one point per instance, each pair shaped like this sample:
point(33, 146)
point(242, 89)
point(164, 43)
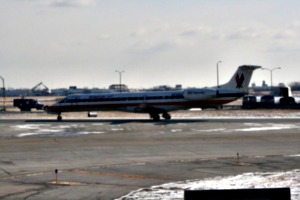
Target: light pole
point(271, 72)
point(218, 73)
point(4, 100)
point(120, 73)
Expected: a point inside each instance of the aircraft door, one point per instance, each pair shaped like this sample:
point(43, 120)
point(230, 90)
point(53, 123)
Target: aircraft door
point(145, 99)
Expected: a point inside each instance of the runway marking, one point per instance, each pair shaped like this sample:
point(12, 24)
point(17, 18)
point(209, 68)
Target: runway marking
point(118, 175)
point(90, 184)
point(5, 150)
point(134, 131)
point(66, 183)
point(242, 164)
point(28, 141)
point(22, 175)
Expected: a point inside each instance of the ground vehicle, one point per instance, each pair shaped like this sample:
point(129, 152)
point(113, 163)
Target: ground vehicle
point(250, 102)
point(267, 101)
point(27, 104)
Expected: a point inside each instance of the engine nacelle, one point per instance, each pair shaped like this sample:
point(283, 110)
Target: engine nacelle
point(199, 94)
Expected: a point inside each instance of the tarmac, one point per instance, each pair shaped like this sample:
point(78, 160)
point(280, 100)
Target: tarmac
point(108, 158)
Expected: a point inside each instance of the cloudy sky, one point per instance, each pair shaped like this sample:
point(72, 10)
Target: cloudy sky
point(156, 42)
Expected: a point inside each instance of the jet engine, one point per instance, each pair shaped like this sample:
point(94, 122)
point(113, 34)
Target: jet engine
point(199, 94)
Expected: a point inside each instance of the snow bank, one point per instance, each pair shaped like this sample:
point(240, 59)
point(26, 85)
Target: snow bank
point(174, 191)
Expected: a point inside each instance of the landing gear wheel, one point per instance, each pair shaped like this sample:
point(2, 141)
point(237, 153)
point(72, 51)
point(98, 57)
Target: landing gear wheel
point(155, 117)
point(59, 118)
point(166, 116)
point(219, 107)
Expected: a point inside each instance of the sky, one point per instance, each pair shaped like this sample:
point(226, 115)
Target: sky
point(82, 43)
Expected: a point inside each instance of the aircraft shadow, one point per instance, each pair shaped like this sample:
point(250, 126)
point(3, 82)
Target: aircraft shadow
point(117, 121)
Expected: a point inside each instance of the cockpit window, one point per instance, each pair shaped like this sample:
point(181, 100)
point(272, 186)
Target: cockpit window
point(63, 100)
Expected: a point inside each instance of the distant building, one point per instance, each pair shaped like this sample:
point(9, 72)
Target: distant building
point(16, 92)
point(72, 87)
point(75, 90)
point(265, 89)
point(25, 92)
point(264, 84)
point(165, 88)
point(118, 87)
point(178, 87)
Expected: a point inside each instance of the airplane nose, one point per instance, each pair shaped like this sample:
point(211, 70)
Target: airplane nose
point(47, 109)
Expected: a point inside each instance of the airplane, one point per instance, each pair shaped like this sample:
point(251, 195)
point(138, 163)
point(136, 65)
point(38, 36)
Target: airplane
point(162, 102)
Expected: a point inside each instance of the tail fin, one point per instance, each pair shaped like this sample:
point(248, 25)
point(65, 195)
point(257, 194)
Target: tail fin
point(241, 79)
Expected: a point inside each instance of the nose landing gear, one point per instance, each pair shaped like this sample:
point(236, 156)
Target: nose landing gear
point(59, 118)
point(156, 117)
point(166, 116)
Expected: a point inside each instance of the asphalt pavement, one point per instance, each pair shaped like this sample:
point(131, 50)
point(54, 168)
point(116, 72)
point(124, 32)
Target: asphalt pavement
point(108, 158)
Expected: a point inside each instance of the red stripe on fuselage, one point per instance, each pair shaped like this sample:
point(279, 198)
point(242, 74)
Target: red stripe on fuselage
point(114, 106)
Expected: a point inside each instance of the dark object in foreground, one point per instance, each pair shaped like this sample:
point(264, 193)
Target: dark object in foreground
point(239, 194)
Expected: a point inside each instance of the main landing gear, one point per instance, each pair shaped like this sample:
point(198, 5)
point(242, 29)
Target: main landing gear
point(156, 117)
point(59, 118)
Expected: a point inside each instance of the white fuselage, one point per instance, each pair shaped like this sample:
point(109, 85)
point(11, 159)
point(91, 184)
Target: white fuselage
point(156, 103)
point(141, 102)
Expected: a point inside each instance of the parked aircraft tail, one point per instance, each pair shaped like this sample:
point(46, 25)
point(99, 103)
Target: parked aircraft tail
point(241, 79)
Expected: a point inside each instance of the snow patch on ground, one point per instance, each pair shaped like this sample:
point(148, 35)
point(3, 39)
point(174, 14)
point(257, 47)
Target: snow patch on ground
point(173, 191)
point(209, 130)
point(176, 130)
point(270, 126)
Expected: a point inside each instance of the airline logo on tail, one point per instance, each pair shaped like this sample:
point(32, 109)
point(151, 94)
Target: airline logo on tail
point(239, 80)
